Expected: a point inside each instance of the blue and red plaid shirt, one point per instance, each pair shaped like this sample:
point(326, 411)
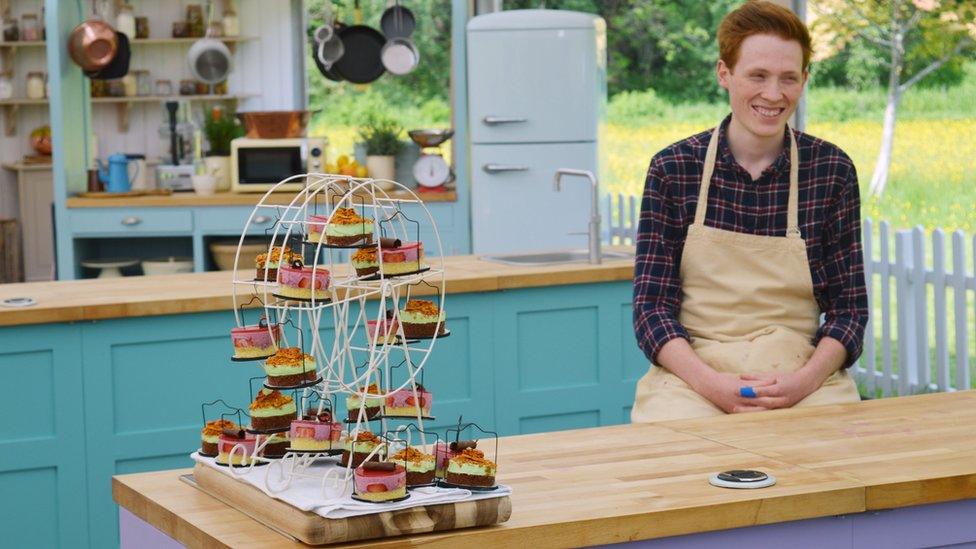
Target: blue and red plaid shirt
point(829, 217)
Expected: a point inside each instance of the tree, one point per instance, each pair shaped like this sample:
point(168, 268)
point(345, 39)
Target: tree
point(918, 36)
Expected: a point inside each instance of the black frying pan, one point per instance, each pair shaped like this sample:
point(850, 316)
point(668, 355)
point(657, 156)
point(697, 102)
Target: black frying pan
point(361, 63)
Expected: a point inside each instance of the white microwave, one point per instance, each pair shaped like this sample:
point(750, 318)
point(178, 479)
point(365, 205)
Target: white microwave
point(256, 165)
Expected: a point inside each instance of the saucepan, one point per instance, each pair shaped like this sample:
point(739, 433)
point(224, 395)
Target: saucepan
point(209, 60)
point(92, 44)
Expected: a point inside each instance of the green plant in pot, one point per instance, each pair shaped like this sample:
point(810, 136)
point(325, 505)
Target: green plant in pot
point(220, 126)
point(381, 137)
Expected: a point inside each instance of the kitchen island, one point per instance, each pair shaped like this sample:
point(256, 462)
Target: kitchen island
point(898, 472)
point(106, 377)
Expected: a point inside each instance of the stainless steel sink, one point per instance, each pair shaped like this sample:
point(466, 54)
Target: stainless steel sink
point(552, 258)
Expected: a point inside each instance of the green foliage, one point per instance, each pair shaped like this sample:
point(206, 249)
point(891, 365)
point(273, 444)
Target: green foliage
point(220, 126)
point(381, 136)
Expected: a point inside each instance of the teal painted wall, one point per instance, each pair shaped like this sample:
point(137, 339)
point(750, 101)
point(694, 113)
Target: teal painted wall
point(89, 400)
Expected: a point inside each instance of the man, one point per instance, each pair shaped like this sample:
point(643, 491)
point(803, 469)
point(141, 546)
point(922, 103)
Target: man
point(748, 232)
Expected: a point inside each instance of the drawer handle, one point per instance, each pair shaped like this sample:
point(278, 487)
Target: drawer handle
point(262, 219)
point(499, 168)
point(495, 120)
point(130, 221)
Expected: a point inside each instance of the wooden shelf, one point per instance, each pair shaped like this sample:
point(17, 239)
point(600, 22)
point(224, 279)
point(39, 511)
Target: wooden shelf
point(23, 44)
point(148, 41)
point(22, 101)
point(164, 98)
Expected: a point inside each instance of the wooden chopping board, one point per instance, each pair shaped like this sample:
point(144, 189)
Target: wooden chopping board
point(316, 530)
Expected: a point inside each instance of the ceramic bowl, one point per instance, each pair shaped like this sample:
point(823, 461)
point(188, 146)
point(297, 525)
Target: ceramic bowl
point(167, 265)
point(204, 185)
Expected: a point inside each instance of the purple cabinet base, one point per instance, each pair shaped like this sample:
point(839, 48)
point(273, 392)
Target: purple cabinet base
point(135, 532)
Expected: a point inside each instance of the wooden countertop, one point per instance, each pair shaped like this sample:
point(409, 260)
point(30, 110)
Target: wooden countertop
point(187, 199)
point(631, 482)
point(95, 299)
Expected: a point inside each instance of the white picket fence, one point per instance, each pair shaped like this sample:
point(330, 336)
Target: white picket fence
point(921, 327)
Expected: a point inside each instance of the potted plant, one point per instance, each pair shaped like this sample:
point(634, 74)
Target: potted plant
point(221, 127)
point(381, 136)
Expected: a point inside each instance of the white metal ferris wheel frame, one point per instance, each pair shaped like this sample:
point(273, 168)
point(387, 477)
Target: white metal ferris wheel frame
point(338, 369)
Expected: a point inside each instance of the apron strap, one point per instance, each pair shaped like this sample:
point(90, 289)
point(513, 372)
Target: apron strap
point(792, 208)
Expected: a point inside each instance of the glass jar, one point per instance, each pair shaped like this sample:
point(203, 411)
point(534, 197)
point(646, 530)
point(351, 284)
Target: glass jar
point(125, 21)
point(188, 87)
point(99, 88)
point(215, 29)
point(30, 31)
point(35, 85)
point(231, 23)
point(180, 29)
point(6, 86)
point(194, 19)
point(11, 32)
point(130, 85)
point(144, 84)
point(220, 88)
point(116, 88)
point(142, 27)
point(164, 88)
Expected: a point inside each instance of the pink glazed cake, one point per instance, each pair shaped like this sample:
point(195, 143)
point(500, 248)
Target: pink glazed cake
point(403, 403)
point(409, 257)
point(382, 331)
point(296, 281)
point(381, 484)
point(255, 341)
point(443, 454)
point(313, 435)
point(226, 443)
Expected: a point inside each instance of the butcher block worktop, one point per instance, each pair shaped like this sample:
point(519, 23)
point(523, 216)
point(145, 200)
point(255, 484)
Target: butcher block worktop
point(95, 299)
point(631, 482)
point(184, 199)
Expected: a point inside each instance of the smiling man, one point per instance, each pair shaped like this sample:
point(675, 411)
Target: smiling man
point(748, 232)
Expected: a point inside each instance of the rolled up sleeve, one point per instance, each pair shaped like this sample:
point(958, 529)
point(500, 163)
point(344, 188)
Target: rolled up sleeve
point(845, 303)
point(657, 288)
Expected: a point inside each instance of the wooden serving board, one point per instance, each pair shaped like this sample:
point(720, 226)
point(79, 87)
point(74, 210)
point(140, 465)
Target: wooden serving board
point(316, 530)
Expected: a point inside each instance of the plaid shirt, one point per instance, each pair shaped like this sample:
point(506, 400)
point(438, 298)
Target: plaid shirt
point(829, 217)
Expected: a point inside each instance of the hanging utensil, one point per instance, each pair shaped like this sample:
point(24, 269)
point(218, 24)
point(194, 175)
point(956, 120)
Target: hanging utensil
point(93, 43)
point(397, 21)
point(361, 63)
point(400, 56)
point(209, 60)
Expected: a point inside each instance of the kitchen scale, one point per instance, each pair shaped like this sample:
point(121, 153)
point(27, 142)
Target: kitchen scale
point(431, 171)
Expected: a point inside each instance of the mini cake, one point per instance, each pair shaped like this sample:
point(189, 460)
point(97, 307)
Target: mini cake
point(443, 452)
point(470, 468)
point(405, 403)
point(272, 410)
point(421, 318)
point(420, 466)
point(210, 435)
point(365, 261)
point(407, 258)
point(383, 481)
point(255, 341)
point(296, 281)
point(276, 446)
point(290, 367)
point(267, 269)
point(314, 433)
point(227, 442)
point(373, 404)
point(344, 228)
point(358, 449)
point(383, 330)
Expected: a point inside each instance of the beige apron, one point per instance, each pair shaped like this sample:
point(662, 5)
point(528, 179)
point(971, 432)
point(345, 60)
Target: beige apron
point(748, 306)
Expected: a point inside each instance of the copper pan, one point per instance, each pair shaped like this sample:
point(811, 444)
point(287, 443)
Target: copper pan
point(92, 44)
point(274, 124)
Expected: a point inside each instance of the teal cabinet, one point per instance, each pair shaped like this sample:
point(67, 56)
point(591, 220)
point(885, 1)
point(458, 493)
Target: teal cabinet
point(89, 400)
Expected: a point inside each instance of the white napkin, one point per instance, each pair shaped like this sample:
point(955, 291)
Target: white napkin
point(305, 492)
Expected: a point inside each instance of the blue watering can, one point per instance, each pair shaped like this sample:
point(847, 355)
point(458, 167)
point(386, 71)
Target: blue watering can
point(116, 179)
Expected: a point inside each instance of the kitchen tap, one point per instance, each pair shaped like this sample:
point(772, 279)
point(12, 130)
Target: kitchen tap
point(594, 232)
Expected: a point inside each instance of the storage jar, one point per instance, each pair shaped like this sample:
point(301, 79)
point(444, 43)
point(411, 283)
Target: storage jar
point(130, 85)
point(231, 23)
point(11, 32)
point(30, 31)
point(142, 27)
point(35, 85)
point(125, 22)
point(6, 86)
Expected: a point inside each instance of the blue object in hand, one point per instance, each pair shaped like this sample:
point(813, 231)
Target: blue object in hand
point(747, 392)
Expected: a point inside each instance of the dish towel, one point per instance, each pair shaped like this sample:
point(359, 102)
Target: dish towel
point(305, 491)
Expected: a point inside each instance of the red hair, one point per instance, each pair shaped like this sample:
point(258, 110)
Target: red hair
point(760, 17)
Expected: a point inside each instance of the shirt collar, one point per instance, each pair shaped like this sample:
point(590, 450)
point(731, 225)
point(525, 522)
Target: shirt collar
point(727, 160)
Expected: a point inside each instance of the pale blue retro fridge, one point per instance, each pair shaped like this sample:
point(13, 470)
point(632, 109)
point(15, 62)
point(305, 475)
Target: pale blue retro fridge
point(536, 103)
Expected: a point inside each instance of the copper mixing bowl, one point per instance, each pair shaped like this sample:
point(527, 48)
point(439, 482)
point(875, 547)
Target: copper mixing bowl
point(274, 124)
point(92, 44)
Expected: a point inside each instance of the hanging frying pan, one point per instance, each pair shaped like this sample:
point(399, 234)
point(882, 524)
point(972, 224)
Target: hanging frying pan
point(361, 63)
point(397, 21)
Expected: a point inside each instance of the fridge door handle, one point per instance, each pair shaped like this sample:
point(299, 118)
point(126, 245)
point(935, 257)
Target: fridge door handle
point(500, 168)
point(495, 120)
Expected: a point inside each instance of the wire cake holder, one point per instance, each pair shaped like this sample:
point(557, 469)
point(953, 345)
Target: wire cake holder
point(349, 326)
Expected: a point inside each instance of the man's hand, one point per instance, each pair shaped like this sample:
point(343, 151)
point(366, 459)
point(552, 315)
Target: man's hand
point(779, 389)
point(724, 391)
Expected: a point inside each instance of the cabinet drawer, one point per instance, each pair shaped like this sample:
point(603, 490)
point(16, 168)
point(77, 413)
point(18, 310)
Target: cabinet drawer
point(231, 220)
point(137, 221)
